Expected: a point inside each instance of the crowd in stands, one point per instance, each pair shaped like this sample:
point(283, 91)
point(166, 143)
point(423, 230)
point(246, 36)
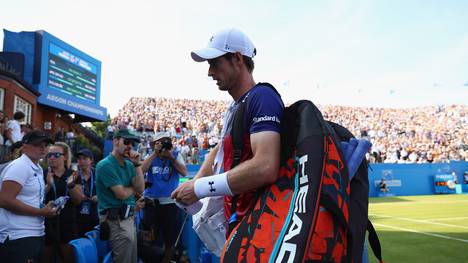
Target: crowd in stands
point(407, 135)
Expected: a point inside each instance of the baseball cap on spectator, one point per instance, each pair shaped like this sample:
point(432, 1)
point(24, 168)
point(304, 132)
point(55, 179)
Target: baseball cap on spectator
point(224, 41)
point(126, 134)
point(161, 135)
point(85, 152)
point(36, 137)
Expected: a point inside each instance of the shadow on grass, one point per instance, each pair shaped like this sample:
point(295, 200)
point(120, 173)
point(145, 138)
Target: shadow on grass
point(398, 246)
point(393, 199)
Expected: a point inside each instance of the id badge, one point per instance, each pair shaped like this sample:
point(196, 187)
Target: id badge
point(85, 208)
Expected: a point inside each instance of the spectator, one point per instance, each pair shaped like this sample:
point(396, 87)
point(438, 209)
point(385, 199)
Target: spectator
point(22, 209)
point(84, 192)
point(14, 128)
point(414, 135)
point(383, 186)
point(163, 168)
point(61, 229)
point(13, 154)
point(118, 180)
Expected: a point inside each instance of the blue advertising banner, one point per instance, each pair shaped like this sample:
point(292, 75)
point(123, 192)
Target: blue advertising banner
point(413, 179)
point(444, 183)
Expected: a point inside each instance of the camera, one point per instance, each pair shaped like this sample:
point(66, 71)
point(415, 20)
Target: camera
point(166, 146)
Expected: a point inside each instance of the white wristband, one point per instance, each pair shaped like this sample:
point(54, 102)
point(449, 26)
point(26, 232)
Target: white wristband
point(215, 185)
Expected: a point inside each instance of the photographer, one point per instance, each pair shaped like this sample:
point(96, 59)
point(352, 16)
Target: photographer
point(163, 168)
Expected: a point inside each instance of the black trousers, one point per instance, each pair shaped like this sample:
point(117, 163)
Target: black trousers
point(164, 219)
point(22, 250)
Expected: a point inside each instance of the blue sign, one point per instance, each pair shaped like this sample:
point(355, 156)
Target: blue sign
point(66, 77)
point(444, 184)
point(70, 79)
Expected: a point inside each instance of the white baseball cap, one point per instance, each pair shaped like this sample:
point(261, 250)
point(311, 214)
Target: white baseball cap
point(224, 41)
point(160, 135)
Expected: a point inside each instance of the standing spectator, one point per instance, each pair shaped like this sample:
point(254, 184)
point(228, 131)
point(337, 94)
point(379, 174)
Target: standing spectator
point(84, 193)
point(118, 179)
point(25, 128)
point(14, 128)
point(61, 229)
point(14, 152)
point(22, 209)
point(164, 167)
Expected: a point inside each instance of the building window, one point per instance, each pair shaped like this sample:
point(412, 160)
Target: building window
point(2, 96)
point(25, 107)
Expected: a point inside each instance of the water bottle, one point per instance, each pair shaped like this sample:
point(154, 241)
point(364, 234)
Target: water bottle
point(60, 202)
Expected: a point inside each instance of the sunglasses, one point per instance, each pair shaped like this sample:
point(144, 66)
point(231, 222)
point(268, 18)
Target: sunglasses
point(129, 142)
point(56, 155)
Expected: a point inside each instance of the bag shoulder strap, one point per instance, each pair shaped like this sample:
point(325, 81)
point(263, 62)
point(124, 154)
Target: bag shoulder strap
point(374, 241)
point(237, 133)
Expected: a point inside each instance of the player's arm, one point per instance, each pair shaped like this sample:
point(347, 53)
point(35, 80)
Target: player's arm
point(262, 169)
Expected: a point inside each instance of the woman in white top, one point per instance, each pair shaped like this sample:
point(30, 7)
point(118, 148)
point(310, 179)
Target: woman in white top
point(22, 210)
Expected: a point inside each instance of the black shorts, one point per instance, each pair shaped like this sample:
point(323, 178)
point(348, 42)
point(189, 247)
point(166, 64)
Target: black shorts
point(27, 249)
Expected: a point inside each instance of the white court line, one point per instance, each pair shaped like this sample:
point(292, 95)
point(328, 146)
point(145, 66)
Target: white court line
point(419, 202)
point(421, 232)
point(448, 218)
point(419, 221)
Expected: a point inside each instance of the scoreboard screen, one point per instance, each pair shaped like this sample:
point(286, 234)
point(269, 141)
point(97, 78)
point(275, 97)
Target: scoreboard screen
point(65, 77)
point(71, 74)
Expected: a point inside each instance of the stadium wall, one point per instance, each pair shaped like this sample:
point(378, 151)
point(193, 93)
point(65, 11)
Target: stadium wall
point(403, 179)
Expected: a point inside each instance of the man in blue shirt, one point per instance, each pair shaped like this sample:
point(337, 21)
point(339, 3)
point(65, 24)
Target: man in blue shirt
point(163, 166)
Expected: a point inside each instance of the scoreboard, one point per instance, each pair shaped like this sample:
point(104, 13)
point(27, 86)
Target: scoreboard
point(69, 78)
point(65, 77)
point(71, 74)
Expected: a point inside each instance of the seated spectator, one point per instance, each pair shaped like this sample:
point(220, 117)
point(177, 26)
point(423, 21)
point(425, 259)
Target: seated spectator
point(383, 186)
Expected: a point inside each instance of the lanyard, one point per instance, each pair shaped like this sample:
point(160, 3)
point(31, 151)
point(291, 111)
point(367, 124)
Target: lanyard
point(41, 191)
point(55, 188)
point(83, 183)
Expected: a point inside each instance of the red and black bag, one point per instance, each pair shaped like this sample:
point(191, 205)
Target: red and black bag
point(312, 213)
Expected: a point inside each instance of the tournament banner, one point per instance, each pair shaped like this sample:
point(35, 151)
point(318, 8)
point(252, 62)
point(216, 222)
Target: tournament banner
point(444, 184)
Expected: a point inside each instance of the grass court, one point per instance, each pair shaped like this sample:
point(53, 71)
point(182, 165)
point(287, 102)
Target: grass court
point(421, 228)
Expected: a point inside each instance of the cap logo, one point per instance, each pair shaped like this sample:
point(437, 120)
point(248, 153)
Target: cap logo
point(211, 39)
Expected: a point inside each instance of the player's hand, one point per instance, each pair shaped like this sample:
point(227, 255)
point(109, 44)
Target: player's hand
point(185, 193)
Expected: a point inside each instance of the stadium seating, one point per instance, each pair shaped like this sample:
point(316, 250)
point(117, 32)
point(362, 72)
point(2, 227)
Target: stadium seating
point(85, 250)
point(102, 247)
